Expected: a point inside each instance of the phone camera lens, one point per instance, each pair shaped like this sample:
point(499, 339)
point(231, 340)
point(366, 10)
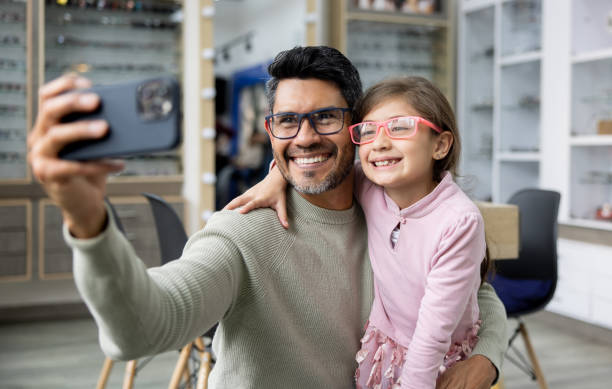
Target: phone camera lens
point(154, 100)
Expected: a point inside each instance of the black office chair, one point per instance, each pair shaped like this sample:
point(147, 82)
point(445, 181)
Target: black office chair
point(172, 239)
point(115, 215)
point(171, 234)
point(527, 284)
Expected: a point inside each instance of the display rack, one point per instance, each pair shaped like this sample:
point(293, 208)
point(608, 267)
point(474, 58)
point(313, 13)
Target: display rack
point(106, 41)
point(477, 104)
point(110, 42)
point(499, 106)
point(591, 115)
point(546, 126)
point(15, 89)
point(403, 38)
point(15, 240)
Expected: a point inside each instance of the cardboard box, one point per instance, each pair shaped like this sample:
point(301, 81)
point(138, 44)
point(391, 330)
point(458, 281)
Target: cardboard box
point(604, 127)
point(501, 229)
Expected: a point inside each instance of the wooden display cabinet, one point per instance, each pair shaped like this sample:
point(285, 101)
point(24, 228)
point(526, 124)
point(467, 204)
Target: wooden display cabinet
point(391, 42)
point(15, 240)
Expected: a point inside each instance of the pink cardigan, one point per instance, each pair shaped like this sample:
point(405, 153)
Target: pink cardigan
point(425, 286)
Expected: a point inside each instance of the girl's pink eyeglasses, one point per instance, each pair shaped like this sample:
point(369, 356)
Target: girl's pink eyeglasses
point(402, 127)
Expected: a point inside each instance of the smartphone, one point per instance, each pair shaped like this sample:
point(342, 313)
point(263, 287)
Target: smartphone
point(143, 117)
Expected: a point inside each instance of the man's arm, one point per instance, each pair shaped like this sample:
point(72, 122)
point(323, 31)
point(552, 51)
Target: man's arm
point(482, 369)
point(143, 311)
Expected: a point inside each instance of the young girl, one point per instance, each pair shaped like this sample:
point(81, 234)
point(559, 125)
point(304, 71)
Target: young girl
point(425, 236)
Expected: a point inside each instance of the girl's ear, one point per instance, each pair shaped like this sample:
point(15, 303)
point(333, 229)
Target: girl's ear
point(442, 145)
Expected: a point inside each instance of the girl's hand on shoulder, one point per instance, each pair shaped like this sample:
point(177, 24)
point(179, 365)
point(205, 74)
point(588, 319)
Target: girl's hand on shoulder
point(269, 193)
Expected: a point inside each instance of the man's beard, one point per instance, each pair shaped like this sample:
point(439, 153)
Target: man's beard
point(331, 181)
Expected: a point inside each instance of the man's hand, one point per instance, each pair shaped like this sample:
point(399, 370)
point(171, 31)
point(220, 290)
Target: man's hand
point(78, 188)
point(477, 372)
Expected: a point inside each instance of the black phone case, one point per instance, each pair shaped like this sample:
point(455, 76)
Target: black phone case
point(129, 133)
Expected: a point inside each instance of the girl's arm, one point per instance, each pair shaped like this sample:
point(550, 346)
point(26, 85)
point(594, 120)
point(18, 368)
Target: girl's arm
point(453, 279)
point(268, 193)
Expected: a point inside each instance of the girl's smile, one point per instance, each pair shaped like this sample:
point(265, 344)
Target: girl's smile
point(404, 167)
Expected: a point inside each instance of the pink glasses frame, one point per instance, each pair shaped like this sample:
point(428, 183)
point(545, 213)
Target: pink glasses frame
point(384, 124)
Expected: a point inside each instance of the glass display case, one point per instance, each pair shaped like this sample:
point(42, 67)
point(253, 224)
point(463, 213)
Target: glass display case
point(107, 42)
point(379, 49)
point(386, 39)
point(519, 108)
point(499, 105)
point(476, 104)
point(14, 89)
point(521, 27)
point(591, 114)
point(110, 42)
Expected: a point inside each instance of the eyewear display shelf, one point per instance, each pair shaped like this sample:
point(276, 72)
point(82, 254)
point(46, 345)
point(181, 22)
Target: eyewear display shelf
point(15, 88)
point(385, 39)
point(590, 185)
point(541, 117)
point(110, 42)
point(107, 42)
point(535, 102)
point(499, 100)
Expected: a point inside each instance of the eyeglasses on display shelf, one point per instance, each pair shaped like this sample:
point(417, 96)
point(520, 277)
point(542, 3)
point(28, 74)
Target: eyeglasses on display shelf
point(128, 6)
point(521, 26)
point(426, 7)
point(116, 41)
point(13, 89)
point(161, 164)
point(380, 48)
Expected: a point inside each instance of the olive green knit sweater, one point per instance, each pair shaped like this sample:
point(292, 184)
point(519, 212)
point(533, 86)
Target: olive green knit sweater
point(291, 303)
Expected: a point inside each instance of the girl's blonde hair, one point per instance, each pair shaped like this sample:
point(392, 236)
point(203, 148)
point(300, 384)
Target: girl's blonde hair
point(428, 101)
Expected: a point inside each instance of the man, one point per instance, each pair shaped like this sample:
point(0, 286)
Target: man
point(291, 303)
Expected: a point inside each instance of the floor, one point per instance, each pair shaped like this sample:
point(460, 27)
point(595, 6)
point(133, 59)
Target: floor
point(65, 354)
point(570, 354)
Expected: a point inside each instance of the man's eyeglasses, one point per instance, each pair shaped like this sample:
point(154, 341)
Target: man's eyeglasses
point(325, 121)
point(397, 128)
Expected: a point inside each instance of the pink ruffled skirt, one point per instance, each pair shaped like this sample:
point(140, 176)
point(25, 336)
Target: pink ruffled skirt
point(381, 359)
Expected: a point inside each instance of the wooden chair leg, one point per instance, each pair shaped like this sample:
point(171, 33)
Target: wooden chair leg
point(204, 370)
point(500, 383)
point(106, 370)
point(130, 374)
point(532, 356)
point(187, 376)
point(205, 360)
point(181, 364)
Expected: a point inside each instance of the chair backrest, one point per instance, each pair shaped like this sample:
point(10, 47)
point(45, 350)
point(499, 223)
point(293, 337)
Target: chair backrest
point(538, 211)
point(115, 215)
point(171, 233)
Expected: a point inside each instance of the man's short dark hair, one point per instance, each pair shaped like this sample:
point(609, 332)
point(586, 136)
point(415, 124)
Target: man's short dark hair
point(318, 62)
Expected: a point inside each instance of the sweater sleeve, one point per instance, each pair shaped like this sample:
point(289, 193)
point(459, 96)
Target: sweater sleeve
point(452, 280)
point(142, 311)
point(493, 334)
